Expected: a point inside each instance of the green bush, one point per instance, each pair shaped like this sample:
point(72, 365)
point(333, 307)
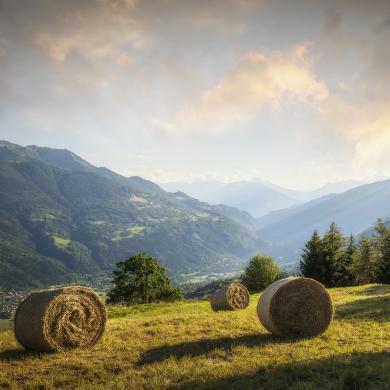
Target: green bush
point(172, 294)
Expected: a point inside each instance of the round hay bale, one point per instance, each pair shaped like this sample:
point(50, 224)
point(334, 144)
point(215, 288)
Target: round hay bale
point(233, 296)
point(294, 307)
point(60, 319)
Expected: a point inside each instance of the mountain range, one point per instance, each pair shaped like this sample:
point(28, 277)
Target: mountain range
point(60, 217)
point(355, 211)
point(257, 197)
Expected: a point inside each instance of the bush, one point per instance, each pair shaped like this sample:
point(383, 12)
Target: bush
point(260, 273)
point(172, 294)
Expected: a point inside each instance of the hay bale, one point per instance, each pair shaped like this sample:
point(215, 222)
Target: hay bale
point(60, 319)
point(233, 296)
point(295, 307)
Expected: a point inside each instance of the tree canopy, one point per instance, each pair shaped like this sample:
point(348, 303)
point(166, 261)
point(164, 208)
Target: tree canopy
point(260, 273)
point(335, 260)
point(141, 279)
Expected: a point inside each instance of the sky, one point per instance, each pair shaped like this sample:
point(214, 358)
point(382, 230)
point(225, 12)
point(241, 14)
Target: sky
point(295, 92)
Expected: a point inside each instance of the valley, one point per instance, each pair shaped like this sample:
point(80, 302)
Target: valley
point(63, 219)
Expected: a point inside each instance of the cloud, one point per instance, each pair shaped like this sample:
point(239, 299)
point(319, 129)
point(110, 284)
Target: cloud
point(373, 140)
point(92, 76)
point(227, 17)
point(259, 81)
point(384, 25)
point(332, 23)
point(106, 29)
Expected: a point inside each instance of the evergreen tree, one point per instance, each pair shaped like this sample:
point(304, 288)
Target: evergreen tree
point(344, 267)
point(363, 265)
point(140, 279)
point(333, 251)
point(329, 259)
point(381, 242)
point(260, 273)
point(311, 264)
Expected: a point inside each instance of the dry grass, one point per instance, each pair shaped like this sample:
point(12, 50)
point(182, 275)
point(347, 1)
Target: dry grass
point(186, 345)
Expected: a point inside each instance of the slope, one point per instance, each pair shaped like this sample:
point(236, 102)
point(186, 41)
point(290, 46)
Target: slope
point(65, 217)
point(354, 211)
point(255, 197)
point(187, 346)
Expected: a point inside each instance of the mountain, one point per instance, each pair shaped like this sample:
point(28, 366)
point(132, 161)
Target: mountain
point(62, 217)
point(334, 188)
point(371, 230)
point(354, 211)
point(256, 197)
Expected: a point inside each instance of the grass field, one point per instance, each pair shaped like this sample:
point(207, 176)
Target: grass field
point(186, 345)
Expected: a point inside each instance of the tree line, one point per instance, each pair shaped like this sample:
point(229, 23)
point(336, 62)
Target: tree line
point(338, 261)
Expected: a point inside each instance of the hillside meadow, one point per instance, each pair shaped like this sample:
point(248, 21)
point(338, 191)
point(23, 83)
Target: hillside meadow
point(186, 345)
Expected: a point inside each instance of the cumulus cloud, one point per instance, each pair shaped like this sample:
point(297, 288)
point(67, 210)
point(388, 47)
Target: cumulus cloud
point(260, 80)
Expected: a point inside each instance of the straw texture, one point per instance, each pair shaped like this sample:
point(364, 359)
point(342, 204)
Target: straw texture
point(295, 307)
point(60, 319)
point(233, 296)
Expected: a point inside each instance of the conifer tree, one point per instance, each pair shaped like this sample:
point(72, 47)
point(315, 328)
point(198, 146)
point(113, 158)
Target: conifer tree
point(333, 244)
point(381, 242)
point(311, 264)
point(345, 276)
point(363, 265)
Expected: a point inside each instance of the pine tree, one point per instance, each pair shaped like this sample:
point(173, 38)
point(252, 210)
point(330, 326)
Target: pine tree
point(334, 254)
point(363, 265)
point(382, 251)
point(344, 267)
point(311, 264)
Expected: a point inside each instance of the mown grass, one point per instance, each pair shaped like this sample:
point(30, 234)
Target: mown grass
point(186, 345)
point(5, 324)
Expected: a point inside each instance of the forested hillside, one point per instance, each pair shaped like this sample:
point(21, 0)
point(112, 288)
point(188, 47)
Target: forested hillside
point(61, 217)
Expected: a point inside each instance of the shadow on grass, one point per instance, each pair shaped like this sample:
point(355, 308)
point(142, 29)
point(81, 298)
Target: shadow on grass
point(16, 354)
point(374, 290)
point(356, 371)
point(203, 347)
point(376, 308)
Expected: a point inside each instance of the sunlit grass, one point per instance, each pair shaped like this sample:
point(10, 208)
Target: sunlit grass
point(186, 345)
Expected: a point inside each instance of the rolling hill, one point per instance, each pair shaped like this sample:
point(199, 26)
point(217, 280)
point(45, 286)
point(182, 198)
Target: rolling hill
point(62, 217)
